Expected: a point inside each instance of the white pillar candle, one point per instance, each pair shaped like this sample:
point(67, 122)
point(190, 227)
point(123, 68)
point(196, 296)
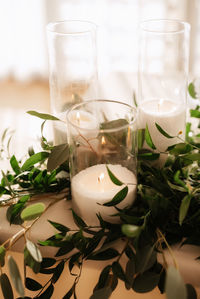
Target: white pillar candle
point(169, 115)
point(93, 185)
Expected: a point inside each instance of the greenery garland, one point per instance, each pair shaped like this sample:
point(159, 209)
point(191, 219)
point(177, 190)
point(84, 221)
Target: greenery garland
point(166, 212)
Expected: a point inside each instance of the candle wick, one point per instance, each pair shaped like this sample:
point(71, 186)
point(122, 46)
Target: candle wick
point(100, 177)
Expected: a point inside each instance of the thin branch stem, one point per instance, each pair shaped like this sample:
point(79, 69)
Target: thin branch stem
point(168, 247)
point(123, 250)
point(88, 143)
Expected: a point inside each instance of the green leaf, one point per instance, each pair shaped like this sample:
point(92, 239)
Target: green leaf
point(191, 293)
point(107, 254)
point(66, 248)
point(146, 282)
point(47, 262)
point(36, 158)
point(13, 212)
point(2, 255)
point(130, 272)
point(191, 90)
point(30, 261)
point(58, 271)
point(46, 271)
point(3, 190)
point(94, 242)
point(33, 211)
point(148, 156)
point(163, 132)
point(34, 251)
point(131, 230)
point(148, 138)
point(15, 276)
point(161, 284)
point(180, 148)
point(47, 294)
point(184, 208)
point(103, 278)
point(104, 293)
point(6, 287)
point(59, 154)
point(62, 228)
point(179, 181)
point(118, 271)
point(121, 195)
point(113, 178)
point(6, 182)
point(174, 286)
point(14, 164)
point(53, 242)
point(176, 187)
point(112, 281)
point(188, 130)
point(78, 221)
point(134, 99)
point(32, 284)
point(145, 258)
point(192, 157)
point(42, 115)
point(129, 253)
point(195, 113)
point(31, 151)
point(74, 260)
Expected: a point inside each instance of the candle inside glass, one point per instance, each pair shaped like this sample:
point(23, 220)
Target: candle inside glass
point(169, 115)
point(83, 120)
point(93, 187)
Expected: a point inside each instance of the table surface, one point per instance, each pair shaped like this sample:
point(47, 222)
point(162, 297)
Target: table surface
point(60, 212)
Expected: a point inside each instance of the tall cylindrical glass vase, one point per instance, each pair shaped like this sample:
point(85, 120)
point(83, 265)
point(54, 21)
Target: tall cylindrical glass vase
point(163, 79)
point(72, 68)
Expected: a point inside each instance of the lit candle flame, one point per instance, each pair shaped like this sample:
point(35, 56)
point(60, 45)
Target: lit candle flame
point(78, 117)
point(100, 177)
point(103, 141)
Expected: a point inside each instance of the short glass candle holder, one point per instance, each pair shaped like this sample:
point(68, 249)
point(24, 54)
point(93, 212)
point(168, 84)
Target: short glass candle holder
point(102, 136)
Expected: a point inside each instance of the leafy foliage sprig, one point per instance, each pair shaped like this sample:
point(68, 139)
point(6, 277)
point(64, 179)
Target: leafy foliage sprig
point(165, 212)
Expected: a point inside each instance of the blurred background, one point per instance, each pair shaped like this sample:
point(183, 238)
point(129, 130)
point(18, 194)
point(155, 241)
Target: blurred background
point(23, 50)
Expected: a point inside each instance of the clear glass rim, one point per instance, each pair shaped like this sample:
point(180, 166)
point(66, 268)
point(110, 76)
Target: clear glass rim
point(52, 27)
point(135, 115)
point(185, 26)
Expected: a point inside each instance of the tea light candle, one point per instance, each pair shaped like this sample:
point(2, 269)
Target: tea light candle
point(93, 185)
point(82, 119)
point(169, 115)
point(82, 122)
